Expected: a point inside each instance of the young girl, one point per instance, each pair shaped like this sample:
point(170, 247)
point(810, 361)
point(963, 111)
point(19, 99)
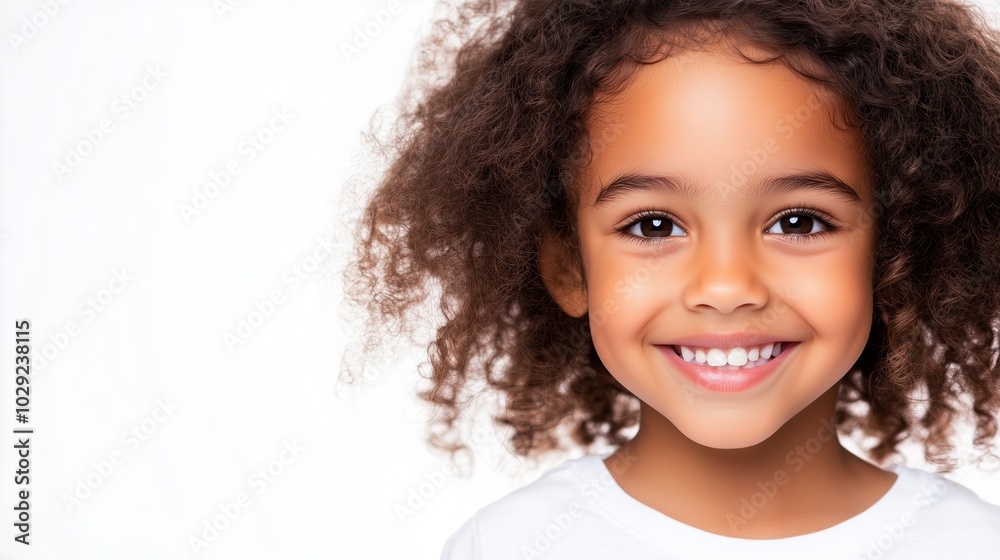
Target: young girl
point(747, 228)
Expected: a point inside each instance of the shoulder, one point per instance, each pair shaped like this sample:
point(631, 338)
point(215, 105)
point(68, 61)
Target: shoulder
point(947, 511)
point(554, 498)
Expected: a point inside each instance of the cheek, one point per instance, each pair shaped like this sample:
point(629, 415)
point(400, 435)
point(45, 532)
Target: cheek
point(620, 277)
point(604, 308)
point(625, 295)
point(610, 299)
point(835, 299)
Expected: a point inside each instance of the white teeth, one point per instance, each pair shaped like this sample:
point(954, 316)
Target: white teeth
point(686, 353)
point(735, 358)
point(716, 357)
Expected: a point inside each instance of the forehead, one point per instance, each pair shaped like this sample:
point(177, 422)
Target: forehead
point(702, 113)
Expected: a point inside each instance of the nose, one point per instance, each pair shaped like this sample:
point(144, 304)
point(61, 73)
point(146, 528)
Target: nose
point(724, 276)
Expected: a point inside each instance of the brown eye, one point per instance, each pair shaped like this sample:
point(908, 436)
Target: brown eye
point(653, 227)
point(800, 222)
point(797, 224)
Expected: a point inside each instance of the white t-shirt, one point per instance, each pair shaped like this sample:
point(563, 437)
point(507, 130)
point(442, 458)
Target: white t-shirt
point(577, 511)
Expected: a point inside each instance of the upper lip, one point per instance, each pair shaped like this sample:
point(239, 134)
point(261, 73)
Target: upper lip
point(728, 340)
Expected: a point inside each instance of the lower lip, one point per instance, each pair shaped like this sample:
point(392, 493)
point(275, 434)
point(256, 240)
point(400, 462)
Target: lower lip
point(726, 380)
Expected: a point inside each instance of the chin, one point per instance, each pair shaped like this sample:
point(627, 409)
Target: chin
point(729, 441)
point(726, 433)
point(738, 439)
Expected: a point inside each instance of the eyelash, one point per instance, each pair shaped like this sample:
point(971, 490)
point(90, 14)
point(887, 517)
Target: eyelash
point(648, 213)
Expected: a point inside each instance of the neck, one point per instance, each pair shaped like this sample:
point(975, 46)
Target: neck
point(749, 491)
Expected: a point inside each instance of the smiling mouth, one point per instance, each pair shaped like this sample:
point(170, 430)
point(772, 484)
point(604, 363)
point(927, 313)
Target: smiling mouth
point(732, 358)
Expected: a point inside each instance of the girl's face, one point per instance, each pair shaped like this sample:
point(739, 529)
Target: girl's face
point(721, 199)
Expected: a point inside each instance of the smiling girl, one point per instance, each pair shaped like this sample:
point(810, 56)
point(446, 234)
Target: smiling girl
point(746, 229)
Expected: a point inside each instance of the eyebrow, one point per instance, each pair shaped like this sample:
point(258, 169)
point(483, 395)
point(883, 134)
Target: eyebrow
point(771, 185)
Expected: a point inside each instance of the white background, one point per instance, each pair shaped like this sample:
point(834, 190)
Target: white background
point(150, 355)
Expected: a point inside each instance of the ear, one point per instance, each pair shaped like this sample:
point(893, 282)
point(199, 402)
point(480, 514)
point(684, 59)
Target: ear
point(561, 276)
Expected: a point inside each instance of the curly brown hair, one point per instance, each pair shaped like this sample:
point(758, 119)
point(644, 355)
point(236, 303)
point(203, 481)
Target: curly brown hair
point(482, 157)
